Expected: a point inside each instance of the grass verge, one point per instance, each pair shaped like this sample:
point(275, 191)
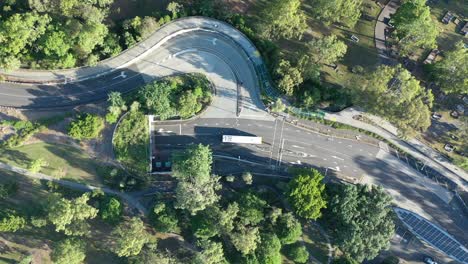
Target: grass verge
point(131, 141)
point(63, 161)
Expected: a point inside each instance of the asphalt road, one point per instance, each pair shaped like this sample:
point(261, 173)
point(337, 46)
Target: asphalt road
point(285, 145)
point(215, 55)
point(233, 76)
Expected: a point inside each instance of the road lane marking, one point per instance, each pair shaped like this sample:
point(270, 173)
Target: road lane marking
point(338, 158)
point(295, 146)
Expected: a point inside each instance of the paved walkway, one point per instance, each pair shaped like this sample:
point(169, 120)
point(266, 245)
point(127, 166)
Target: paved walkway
point(379, 32)
point(76, 186)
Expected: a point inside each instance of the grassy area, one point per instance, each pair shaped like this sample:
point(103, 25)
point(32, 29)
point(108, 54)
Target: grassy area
point(131, 142)
point(28, 199)
point(63, 161)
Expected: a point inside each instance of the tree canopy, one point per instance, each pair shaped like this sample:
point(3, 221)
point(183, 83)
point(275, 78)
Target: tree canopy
point(288, 228)
point(307, 193)
point(326, 50)
point(69, 251)
point(393, 93)
point(212, 253)
point(347, 12)
point(196, 188)
point(70, 216)
point(362, 220)
point(129, 238)
point(86, 126)
point(283, 19)
point(452, 72)
point(414, 27)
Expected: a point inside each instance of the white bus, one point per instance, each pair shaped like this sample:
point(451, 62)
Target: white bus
point(242, 139)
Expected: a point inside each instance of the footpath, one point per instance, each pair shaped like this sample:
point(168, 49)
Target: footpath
point(76, 186)
point(184, 25)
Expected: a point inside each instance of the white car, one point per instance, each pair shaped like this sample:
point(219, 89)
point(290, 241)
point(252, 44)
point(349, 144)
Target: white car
point(429, 260)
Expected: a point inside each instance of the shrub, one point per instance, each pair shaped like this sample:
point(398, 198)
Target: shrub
point(111, 210)
point(86, 126)
point(12, 223)
point(297, 253)
point(36, 165)
point(164, 218)
point(8, 189)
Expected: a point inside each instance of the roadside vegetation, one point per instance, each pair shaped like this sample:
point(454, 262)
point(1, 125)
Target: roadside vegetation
point(52, 35)
point(237, 221)
point(131, 141)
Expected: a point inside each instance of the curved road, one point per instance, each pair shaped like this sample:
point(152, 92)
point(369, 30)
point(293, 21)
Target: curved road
point(223, 58)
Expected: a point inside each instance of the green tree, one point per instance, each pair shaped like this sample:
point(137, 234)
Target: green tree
point(345, 260)
point(362, 220)
point(70, 216)
point(16, 33)
point(251, 208)
point(288, 228)
point(194, 163)
point(298, 253)
point(247, 177)
point(188, 105)
point(197, 187)
point(86, 126)
point(111, 210)
point(55, 43)
point(156, 98)
point(283, 19)
point(346, 12)
point(150, 254)
point(174, 8)
point(129, 238)
point(306, 193)
point(91, 35)
point(288, 77)
point(116, 106)
point(245, 239)
point(37, 164)
point(414, 27)
point(164, 218)
point(196, 196)
point(452, 72)
point(69, 251)
point(8, 189)
point(326, 50)
point(278, 106)
point(11, 222)
point(205, 224)
point(212, 253)
point(268, 251)
point(394, 94)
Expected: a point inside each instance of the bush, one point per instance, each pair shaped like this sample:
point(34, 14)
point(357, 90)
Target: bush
point(24, 130)
point(164, 218)
point(38, 222)
point(131, 142)
point(110, 210)
point(36, 165)
point(86, 126)
point(297, 253)
point(247, 177)
point(12, 223)
point(8, 189)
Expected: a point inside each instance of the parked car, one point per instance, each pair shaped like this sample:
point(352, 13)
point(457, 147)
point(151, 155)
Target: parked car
point(354, 38)
point(429, 260)
point(436, 116)
point(449, 147)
